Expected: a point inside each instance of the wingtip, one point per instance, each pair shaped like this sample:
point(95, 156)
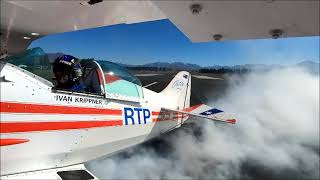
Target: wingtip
point(231, 121)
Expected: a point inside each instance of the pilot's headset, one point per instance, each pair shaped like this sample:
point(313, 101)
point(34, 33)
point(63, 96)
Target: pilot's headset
point(70, 64)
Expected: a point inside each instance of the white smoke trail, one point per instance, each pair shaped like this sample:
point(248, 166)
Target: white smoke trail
point(277, 136)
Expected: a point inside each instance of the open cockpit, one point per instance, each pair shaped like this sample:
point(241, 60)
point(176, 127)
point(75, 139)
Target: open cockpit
point(101, 78)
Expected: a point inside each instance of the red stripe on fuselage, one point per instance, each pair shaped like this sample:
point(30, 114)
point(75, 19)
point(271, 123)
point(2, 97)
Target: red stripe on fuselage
point(7, 142)
point(13, 127)
point(10, 107)
point(189, 109)
point(154, 113)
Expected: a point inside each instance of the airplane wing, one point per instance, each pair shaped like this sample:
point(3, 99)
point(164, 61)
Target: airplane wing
point(206, 112)
point(200, 20)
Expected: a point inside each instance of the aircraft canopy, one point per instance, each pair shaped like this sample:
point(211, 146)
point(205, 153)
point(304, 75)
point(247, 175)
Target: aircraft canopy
point(119, 83)
point(99, 77)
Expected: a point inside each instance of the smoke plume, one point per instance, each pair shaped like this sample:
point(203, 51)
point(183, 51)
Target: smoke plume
point(276, 136)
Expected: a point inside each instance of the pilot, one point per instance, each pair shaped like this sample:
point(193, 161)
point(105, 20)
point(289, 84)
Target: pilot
point(67, 71)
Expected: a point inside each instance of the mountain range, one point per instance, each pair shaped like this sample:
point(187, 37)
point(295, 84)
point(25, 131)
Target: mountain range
point(309, 65)
point(174, 66)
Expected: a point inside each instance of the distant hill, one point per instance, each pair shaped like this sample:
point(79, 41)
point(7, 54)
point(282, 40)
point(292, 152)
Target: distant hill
point(313, 67)
point(246, 66)
point(174, 66)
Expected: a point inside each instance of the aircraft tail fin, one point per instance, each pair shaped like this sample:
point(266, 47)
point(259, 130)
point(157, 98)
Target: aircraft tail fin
point(179, 90)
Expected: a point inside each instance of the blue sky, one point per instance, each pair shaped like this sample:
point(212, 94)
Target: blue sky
point(160, 40)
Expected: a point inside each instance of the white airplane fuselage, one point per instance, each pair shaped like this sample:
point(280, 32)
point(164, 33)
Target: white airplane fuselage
point(43, 129)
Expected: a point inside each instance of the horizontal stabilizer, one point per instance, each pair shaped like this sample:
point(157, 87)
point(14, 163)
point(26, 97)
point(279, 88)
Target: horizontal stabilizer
point(206, 112)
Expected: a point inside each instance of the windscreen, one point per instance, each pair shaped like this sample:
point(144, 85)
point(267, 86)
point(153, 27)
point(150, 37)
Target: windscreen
point(35, 61)
point(119, 82)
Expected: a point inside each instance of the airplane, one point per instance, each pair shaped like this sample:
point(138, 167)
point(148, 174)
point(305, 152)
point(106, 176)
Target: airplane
point(50, 133)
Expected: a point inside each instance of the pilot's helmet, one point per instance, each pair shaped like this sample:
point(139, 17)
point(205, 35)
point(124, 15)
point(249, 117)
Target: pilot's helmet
point(67, 65)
